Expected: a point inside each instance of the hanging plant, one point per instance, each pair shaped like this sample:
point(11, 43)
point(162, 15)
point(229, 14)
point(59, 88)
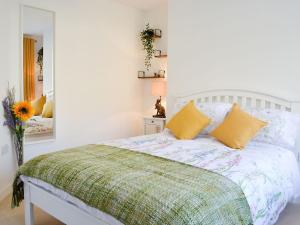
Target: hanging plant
point(40, 59)
point(147, 38)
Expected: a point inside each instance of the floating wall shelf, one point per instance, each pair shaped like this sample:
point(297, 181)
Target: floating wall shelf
point(160, 74)
point(151, 77)
point(161, 56)
point(158, 54)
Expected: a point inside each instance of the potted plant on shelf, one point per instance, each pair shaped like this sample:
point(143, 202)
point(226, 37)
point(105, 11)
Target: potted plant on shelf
point(16, 114)
point(147, 38)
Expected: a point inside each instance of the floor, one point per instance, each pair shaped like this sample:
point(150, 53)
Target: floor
point(291, 215)
point(15, 216)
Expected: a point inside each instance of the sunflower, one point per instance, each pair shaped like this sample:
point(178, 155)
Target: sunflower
point(23, 110)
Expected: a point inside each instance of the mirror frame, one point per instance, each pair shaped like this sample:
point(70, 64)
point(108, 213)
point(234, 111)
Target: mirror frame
point(21, 88)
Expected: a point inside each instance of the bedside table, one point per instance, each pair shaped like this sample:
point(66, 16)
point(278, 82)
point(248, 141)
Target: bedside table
point(154, 125)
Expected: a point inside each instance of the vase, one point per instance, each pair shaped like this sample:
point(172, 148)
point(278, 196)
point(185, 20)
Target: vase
point(19, 145)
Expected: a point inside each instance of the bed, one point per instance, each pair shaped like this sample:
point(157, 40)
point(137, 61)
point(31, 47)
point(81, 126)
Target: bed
point(267, 174)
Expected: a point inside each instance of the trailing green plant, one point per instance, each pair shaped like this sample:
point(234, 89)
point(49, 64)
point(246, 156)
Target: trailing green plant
point(40, 59)
point(147, 38)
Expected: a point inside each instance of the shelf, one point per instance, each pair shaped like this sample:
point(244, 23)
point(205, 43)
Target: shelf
point(158, 54)
point(161, 56)
point(153, 77)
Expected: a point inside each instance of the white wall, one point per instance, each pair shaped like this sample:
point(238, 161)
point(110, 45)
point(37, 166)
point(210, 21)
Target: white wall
point(7, 165)
point(234, 44)
point(157, 18)
point(98, 95)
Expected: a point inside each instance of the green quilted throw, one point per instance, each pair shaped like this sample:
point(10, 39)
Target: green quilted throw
point(137, 188)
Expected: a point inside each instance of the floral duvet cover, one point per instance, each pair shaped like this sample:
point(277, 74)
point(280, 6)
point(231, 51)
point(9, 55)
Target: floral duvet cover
point(268, 175)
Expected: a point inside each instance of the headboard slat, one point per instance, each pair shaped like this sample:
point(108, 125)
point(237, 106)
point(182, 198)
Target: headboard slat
point(243, 98)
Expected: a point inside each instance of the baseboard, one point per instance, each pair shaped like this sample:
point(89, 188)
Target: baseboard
point(5, 192)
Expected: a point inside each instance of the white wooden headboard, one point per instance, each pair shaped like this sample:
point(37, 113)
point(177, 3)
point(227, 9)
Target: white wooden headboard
point(243, 98)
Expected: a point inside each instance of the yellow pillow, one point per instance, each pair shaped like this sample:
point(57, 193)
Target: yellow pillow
point(38, 105)
point(238, 128)
point(188, 122)
point(48, 109)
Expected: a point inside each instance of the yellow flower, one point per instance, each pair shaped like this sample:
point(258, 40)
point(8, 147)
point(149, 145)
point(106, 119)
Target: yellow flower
point(23, 111)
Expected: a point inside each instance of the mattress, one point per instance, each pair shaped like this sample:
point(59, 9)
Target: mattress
point(267, 174)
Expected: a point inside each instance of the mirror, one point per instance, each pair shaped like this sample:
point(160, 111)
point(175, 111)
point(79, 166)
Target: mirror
point(37, 77)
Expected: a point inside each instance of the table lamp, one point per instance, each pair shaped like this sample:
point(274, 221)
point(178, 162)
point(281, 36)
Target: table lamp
point(159, 90)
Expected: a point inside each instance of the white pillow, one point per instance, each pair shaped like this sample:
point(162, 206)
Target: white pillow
point(178, 106)
point(283, 127)
point(216, 112)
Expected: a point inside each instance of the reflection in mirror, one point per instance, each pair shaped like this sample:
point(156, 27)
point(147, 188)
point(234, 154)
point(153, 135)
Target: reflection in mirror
point(38, 74)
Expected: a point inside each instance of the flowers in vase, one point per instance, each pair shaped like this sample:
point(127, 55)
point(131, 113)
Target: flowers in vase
point(16, 114)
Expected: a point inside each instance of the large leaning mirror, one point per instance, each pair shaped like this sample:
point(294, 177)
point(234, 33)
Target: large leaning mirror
point(38, 72)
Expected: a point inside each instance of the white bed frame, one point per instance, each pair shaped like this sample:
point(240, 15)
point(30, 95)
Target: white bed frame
point(72, 215)
point(243, 98)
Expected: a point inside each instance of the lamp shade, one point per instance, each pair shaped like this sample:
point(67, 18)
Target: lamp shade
point(159, 88)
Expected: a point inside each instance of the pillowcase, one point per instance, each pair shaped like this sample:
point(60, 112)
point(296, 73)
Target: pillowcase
point(216, 112)
point(48, 110)
point(238, 128)
point(282, 130)
point(179, 104)
point(38, 105)
point(188, 122)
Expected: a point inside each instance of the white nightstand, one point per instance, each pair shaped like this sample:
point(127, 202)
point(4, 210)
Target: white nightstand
point(154, 125)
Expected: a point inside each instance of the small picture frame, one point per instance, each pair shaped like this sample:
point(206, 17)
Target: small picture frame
point(157, 53)
point(157, 32)
point(161, 73)
point(141, 74)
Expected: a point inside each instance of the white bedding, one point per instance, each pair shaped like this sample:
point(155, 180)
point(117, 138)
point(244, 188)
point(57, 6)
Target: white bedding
point(38, 125)
point(267, 174)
